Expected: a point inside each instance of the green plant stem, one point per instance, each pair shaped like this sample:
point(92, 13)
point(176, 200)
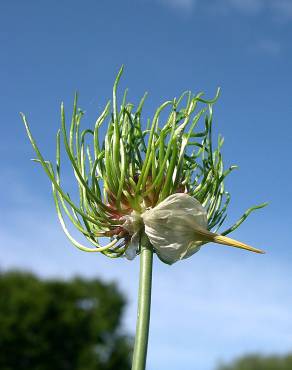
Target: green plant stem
point(144, 303)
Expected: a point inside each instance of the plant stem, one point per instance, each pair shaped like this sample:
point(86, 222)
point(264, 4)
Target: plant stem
point(144, 303)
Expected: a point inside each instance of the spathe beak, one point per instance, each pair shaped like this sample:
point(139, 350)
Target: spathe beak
point(208, 236)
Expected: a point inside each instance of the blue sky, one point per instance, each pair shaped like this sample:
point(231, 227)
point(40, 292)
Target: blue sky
point(222, 302)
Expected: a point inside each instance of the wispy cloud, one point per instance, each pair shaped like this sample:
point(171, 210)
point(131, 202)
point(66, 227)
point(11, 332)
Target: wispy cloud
point(279, 9)
point(282, 8)
point(183, 5)
point(247, 6)
point(270, 47)
point(276, 8)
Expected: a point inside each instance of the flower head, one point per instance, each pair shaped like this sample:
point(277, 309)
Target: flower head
point(162, 177)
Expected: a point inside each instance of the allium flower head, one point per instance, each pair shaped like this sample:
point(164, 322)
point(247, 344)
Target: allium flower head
point(162, 177)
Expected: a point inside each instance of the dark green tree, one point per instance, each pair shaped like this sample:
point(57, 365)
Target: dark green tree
point(258, 362)
point(61, 325)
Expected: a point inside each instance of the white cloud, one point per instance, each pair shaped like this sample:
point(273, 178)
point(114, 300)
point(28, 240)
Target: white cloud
point(271, 47)
point(184, 5)
point(248, 6)
point(279, 9)
point(282, 8)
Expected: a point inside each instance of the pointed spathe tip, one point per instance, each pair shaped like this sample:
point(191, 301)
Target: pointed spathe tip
point(221, 239)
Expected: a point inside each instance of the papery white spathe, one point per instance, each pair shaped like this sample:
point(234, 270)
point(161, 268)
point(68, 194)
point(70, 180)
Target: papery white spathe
point(177, 228)
point(171, 227)
point(133, 224)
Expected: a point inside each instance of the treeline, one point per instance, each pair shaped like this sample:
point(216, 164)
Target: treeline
point(257, 362)
point(61, 325)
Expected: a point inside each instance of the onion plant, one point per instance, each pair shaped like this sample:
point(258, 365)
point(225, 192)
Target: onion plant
point(154, 186)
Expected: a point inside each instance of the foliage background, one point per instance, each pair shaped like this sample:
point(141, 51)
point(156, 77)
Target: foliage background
point(257, 362)
point(61, 325)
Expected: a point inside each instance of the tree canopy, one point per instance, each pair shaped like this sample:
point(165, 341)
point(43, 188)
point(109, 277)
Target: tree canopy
point(258, 362)
point(61, 325)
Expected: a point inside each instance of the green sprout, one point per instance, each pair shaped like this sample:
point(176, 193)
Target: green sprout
point(136, 168)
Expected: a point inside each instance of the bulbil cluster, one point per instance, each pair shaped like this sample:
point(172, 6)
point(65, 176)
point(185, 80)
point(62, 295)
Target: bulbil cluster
point(136, 166)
